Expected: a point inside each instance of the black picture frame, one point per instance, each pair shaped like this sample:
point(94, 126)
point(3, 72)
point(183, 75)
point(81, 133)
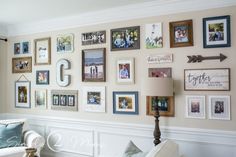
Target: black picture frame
point(42, 77)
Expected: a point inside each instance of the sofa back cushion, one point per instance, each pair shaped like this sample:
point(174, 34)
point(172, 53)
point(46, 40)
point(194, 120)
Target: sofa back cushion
point(11, 134)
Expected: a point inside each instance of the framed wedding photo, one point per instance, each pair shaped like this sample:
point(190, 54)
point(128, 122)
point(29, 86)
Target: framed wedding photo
point(22, 65)
point(41, 98)
point(154, 37)
point(65, 43)
point(219, 107)
point(42, 77)
point(22, 94)
point(127, 38)
point(92, 38)
point(195, 106)
point(125, 70)
point(125, 103)
point(216, 32)
point(42, 51)
point(94, 65)
point(181, 33)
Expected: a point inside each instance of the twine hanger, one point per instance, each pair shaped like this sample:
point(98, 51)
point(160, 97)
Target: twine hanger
point(22, 76)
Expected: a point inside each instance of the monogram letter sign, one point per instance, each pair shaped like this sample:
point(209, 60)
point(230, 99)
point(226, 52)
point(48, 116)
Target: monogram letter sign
point(63, 80)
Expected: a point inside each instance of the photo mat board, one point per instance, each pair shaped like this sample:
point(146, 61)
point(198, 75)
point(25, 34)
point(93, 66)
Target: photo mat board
point(43, 51)
point(195, 106)
point(125, 70)
point(22, 94)
point(153, 36)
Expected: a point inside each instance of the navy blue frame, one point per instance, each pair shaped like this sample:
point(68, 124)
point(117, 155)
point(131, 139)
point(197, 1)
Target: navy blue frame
point(37, 74)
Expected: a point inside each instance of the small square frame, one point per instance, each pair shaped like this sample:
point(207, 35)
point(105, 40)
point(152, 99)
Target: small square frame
point(195, 106)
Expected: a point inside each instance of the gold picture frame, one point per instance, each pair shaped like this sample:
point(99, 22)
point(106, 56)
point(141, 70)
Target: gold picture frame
point(42, 51)
point(22, 65)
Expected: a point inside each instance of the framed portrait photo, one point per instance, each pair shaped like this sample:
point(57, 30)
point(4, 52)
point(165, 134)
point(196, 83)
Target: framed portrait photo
point(125, 70)
point(42, 77)
point(181, 33)
point(160, 72)
point(22, 94)
point(94, 65)
point(94, 99)
point(216, 32)
point(153, 36)
point(195, 106)
point(165, 105)
point(219, 107)
point(92, 38)
point(22, 65)
point(125, 103)
point(127, 38)
point(26, 47)
point(42, 51)
point(65, 43)
point(41, 98)
point(17, 48)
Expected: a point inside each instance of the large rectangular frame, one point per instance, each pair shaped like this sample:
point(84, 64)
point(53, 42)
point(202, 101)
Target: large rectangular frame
point(22, 65)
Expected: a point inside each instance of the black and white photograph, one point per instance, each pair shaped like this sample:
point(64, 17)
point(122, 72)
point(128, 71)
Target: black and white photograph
point(195, 106)
point(91, 38)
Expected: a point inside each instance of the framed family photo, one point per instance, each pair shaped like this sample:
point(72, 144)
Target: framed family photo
point(22, 48)
point(154, 37)
point(125, 70)
point(125, 103)
point(94, 99)
point(65, 43)
point(41, 98)
point(165, 105)
point(42, 77)
point(216, 32)
point(219, 107)
point(22, 65)
point(22, 94)
point(207, 79)
point(195, 106)
point(160, 72)
point(92, 38)
point(181, 33)
point(94, 65)
point(127, 38)
point(42, 51)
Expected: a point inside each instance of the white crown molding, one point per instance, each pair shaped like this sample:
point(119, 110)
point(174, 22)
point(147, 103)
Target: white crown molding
point(141, 10)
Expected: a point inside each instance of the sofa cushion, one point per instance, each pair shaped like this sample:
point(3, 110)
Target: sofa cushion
point(133, 151)
point(11, 134)
point(12, 152)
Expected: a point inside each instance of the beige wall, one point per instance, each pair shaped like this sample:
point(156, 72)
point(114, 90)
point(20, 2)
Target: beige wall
point(178, 66)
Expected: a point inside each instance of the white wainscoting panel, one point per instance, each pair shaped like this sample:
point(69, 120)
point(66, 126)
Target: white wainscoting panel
point(83, 138)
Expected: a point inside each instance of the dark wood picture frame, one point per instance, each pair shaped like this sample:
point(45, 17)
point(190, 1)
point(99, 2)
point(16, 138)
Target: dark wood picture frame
point(38, 82)
point(48, 46)
point(188, 35)
point(88, 38)
point(93, 69)
point(22, 65)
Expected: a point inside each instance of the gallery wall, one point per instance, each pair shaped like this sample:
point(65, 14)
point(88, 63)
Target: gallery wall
point(141, 68)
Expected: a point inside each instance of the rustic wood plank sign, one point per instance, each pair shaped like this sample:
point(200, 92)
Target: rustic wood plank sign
point(160, 58)
point(200, 58)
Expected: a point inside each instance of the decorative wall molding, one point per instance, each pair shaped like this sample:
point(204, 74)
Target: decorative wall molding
point(139, 10)
point(106, 139)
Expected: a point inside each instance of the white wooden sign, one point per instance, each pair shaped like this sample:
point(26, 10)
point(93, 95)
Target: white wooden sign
point(160, 58)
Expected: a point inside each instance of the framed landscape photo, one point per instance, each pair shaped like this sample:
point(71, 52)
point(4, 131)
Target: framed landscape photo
point(42, 51)
point(181, 33)
point(207, 79)
point(127, 38)
point(94, 99)
point(125, 70)
point(160, 72)
point(153, 36)
point(65, 43)
point(195, 106)
point(125, 103)
point(22, 65)
point(92, 38)
point(42, 77)
point(165, 105)
point(41, 98)
point(219, 107)
point(22, 94)
point(216, 32)
point(94, 65)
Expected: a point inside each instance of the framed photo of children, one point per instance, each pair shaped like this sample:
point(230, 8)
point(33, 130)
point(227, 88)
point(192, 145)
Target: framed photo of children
point(42, 77)
point(92, 38)
point(181, 33)
point(125, 70)
point(165, 105)
point(195, 106)
point(125, 38)
point(216, 32)
point(41, 98)
point(94, 65)
point(22, 94)
point(42, 51)
point(125, 103)
point(219, 107)
point(94, 99)
point(154, 38)
point(65, 43)
point(22, 65)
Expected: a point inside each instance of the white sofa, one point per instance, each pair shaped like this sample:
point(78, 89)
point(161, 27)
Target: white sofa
point(31, 140)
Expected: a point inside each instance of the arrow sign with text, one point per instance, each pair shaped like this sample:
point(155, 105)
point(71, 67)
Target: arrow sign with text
point(200, 58)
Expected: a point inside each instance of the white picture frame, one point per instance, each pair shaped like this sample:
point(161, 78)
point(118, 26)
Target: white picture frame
point(125, 71)
point(22, 94)
point(195, 106)
point(94, 99)
point(65, 43)
point(41, 98)
point(153, 35)
point(219, 107)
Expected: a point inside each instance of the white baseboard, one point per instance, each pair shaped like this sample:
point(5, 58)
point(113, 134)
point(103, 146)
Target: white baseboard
point(82, 138)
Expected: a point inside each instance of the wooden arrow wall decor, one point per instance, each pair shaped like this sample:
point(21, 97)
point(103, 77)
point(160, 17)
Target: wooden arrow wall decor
point(200, 58)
